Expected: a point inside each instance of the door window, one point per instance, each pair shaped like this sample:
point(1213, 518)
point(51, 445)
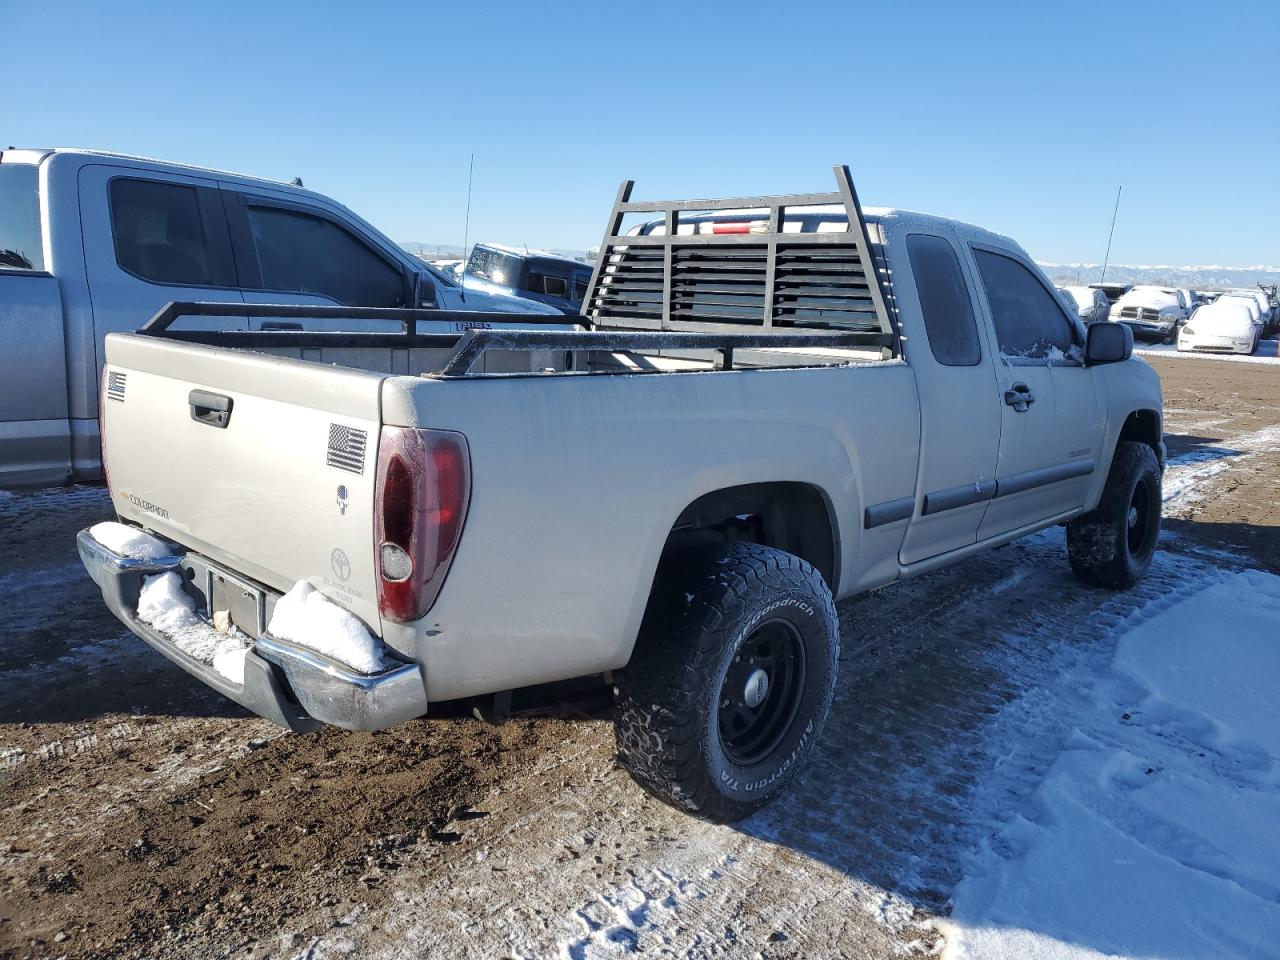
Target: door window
point(159, 233)
point(1029, 321)
point(21, 247)
point(301, 253)
point(548, 284)
point(944, 301)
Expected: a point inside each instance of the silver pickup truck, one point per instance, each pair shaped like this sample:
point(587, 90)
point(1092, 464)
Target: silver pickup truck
point(91, 241)
point(768, 403)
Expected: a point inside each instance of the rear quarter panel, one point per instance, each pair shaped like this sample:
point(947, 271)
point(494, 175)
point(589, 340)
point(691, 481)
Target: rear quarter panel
point(577, 481)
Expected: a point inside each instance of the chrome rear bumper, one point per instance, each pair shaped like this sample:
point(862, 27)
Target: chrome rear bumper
point(287, 684)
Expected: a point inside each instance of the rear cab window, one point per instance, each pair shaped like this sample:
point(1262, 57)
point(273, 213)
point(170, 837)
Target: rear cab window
point(949, 322)
point(1030, 322)
point(548, 279)
point(161, 233)
point(21, 239)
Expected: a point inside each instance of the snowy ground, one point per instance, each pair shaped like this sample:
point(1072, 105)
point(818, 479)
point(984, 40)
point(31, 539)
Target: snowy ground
point(1156, 831)
point(982, 789)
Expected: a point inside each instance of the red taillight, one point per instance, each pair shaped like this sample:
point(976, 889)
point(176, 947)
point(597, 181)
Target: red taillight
point(731, 228)
point(424, 486)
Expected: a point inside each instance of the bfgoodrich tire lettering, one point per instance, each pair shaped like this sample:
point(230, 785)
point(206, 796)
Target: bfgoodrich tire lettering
point(1113, 545)
point(731, 679)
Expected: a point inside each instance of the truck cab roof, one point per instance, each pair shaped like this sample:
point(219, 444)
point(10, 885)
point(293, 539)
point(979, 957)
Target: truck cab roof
point(39, 155)
point(831, 218)
point(527, 254)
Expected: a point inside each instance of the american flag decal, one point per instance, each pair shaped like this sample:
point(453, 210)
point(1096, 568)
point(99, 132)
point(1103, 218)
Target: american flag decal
point(346, 448)
point(115, 385)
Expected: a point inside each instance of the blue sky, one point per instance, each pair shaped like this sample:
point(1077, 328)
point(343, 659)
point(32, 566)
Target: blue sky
point(1022, 117)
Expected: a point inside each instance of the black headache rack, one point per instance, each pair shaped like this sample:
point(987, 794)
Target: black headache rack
point(714, 266)
point(720, 276)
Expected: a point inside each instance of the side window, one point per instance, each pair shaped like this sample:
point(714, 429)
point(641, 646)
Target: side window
point(944, 301)
point(159, 233)
point(545, 283)
point(580, 286)
point(1028, 320)
point(302, 253)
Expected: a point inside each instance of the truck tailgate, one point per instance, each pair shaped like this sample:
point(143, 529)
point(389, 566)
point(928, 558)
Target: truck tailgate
point(261, 463)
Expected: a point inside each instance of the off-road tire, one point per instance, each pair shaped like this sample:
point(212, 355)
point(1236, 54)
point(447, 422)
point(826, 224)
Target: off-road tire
point(1101, 545)
point(706, 609)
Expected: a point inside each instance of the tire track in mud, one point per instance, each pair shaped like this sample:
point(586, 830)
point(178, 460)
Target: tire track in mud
point(858, 860)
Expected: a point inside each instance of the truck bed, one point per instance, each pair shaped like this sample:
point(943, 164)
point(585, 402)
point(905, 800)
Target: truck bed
point(269, 454)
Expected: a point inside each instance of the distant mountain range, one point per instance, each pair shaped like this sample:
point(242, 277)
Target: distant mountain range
point(1198, 277)
point(452, 251)
point(1210, 276)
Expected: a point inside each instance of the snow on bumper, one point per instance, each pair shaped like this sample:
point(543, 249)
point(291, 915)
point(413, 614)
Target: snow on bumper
point(283, 681)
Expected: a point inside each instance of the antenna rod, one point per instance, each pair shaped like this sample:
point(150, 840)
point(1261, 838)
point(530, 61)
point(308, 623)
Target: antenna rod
point(466, 227)
point(1107, 258)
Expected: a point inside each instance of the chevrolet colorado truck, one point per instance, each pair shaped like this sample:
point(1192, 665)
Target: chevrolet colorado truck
point(760, 410)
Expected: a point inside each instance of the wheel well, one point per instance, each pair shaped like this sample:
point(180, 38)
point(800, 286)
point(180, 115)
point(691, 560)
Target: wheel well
point(794, 517)
point(1144, 427)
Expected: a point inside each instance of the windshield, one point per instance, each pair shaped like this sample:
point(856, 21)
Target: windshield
point(440, 275)
point(495, 266)
point(1243, 300)
point(21, 247)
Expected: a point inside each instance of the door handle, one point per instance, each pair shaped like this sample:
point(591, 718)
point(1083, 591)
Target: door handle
point(208, 408)
point(1019, 396)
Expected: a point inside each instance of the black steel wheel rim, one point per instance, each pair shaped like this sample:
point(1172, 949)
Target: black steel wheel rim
point(751, 723)
point(1139, 517)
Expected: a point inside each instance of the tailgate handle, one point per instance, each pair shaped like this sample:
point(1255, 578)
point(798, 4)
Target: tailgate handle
point(211, 408)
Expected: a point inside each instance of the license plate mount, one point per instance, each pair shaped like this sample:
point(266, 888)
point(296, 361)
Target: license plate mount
point(243, 601)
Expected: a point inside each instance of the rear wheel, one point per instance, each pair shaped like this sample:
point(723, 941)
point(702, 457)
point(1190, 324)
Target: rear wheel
point(1113, 545)
point(730, 681)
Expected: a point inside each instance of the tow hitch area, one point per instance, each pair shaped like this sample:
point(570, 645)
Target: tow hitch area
point(285, 682)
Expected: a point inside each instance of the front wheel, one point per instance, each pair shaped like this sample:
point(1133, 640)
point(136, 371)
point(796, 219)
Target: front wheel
point(1113, 545)
point(730, 681)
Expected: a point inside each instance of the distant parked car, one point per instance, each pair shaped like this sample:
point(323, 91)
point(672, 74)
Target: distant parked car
point(1268, 310)
point(534, 275)
point(1089, 303)
point(1113, 291)
point(1153, 312)
point(1229, 324)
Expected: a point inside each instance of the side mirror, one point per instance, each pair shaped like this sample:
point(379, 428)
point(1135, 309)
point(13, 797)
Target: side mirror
point(1107, 342)
point(424, 293)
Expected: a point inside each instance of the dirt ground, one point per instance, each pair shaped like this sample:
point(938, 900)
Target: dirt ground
point(142, 815)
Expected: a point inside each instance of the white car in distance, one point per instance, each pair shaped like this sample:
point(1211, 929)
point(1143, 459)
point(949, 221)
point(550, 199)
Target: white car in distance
point(1231, 324)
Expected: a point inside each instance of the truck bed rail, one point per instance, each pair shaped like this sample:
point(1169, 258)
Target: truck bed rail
point(469, 345)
